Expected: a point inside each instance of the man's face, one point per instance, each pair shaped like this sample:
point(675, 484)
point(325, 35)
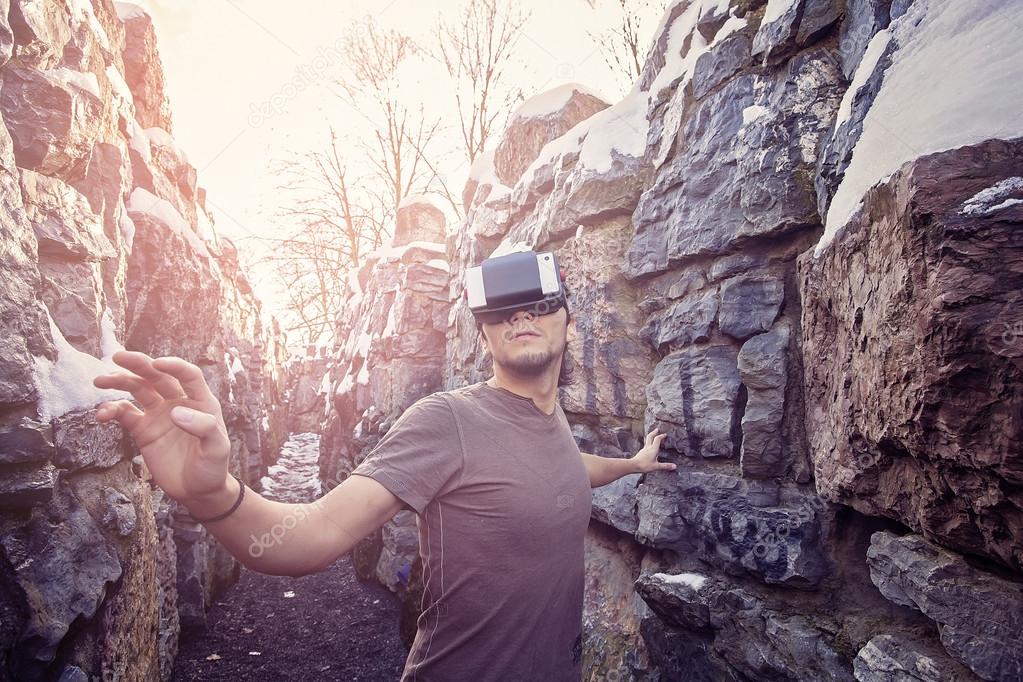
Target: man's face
point(528, 344)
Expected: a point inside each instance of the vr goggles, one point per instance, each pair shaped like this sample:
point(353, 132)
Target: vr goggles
point(525, 280)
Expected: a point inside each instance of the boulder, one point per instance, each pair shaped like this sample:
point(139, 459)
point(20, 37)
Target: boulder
point(979, 614)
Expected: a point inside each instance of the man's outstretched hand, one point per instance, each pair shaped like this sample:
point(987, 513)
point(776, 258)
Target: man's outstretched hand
point(180, 429)
point(646, 459)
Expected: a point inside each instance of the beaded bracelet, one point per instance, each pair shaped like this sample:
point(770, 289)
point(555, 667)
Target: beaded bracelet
point(218, 517)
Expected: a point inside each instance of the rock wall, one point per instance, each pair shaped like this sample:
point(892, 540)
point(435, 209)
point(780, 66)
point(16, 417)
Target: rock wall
point(106, 243)
point(800, 263)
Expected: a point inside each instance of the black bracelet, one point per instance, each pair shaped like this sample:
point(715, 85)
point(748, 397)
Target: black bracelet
point(218, 517)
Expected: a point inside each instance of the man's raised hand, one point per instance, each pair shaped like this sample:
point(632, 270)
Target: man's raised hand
point(180, 429)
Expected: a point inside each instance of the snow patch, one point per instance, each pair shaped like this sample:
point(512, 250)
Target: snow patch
point(551, 101)
point(161, 210)
point(506, 246)
point(868, 62)
point(693, 580)
point(85, 81)
point(954, 81)
point(66, 385)
point(161, 138)
point(129, 10)
point(752, 113)
point(776, 9)
point(983, 203)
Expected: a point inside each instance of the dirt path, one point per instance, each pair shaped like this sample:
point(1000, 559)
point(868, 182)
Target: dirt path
point(331, 627)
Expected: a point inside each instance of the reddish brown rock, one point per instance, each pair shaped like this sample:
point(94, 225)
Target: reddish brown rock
point(913, 352)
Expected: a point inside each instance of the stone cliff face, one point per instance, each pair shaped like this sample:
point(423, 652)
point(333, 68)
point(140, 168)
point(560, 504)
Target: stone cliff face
point(787, 255)
point(106, 242)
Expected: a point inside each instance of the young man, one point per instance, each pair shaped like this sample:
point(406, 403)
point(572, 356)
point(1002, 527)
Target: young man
point(500, 487)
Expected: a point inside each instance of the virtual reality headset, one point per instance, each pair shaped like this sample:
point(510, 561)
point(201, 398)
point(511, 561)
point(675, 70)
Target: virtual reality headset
point(525, 280)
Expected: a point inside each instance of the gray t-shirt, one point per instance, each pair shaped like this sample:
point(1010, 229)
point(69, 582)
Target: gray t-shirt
point(503, 501)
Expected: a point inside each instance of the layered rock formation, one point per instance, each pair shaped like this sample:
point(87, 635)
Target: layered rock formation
point(796, 260)
point(106, 243)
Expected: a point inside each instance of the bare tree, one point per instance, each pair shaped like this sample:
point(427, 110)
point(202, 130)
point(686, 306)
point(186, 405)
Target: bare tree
point(475, 50)
point(401, 134)
point(624, 46)
point(335, 222)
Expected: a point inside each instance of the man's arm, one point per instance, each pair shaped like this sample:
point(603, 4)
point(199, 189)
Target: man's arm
point(604, 470)
point(178, 425)
point(279, 538)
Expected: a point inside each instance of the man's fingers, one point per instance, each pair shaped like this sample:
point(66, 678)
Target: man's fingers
point(126, 381)
point(142, 365)
point(122, 410)
point(202, 425)
point(189, 377)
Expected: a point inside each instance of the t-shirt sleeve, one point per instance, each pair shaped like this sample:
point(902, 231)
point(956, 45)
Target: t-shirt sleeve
point(420, 457)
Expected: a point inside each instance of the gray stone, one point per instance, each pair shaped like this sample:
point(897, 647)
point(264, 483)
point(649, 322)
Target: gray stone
point(710, 515)
point(776, 39)
point(732, 633)
point(26, 441)
point(686, 322)
point(979, 615)
point(693, 398)
point(763, 365)
point(399, 549)
point(63, 560)
point(899, 658)
point(81, 441)
point(23, 486)
point(742, 180)
point(749, 305)
point(615, 503)
point(118, 513)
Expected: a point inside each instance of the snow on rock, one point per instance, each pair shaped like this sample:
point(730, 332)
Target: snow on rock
point(752, 113)
point(439, 264)
point(410, 199)
point(551, 101)
point(976, 97)
point(127, 226)
point(120, 87)
point(994, 198)
point(129, 10)
point(161, 138)
point(622, 128)
point(84, 81)
point(868, 62)
point(66, 385)
point(693, 580)
point(396, 252)
point(776, 9)
point(82, 12)
point(139, 141)
point(507, 246)
point(161, 210)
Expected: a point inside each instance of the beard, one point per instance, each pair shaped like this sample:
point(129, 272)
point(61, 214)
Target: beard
point(531, 364)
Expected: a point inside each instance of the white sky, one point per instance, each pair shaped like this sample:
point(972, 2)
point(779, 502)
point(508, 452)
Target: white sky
point(224, 58)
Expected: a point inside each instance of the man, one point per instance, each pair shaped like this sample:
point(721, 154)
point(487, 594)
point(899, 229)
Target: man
point(501, 491)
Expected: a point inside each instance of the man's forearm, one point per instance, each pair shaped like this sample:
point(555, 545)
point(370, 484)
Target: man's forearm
point(267, 536)
point(604, 470)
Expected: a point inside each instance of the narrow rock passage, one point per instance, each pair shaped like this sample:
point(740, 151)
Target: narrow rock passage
point(328, 626)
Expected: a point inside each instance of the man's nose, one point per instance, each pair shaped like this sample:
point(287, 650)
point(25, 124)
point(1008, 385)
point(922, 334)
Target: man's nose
point(522, 315)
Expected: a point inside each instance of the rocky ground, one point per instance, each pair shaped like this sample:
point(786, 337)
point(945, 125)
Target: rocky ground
point(328, 626)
